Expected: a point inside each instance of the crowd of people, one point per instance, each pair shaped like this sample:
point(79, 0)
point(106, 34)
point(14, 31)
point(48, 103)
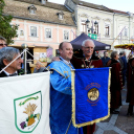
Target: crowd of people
point(122, 70)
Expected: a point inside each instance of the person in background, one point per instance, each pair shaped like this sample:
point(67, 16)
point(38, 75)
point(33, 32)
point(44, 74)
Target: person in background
point(124, 69)
point(2, 42)
point(7, 55)
point(130, 86)
point(105, 58)
point(38, 67)
point(116, 83)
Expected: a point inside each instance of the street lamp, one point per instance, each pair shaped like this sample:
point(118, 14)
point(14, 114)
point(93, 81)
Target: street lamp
point(93, 31)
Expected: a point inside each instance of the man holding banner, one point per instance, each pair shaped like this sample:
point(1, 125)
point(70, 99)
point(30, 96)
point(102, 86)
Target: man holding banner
point(87, 61)
point(60, 94)
point(8, 54)
point(25, 105)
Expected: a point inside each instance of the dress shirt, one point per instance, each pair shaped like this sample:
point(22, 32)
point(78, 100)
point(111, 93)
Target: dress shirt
point(8, 74)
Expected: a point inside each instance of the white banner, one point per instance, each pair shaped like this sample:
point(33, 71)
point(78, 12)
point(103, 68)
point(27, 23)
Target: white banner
point(24, 104)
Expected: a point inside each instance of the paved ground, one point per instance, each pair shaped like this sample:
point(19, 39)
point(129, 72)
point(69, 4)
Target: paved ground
point(117, 124)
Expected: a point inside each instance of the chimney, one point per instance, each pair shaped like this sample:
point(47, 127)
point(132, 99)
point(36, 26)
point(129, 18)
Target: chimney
point(43, 2)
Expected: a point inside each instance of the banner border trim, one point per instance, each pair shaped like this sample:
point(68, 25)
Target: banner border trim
point(73, 103)
point(15, 111)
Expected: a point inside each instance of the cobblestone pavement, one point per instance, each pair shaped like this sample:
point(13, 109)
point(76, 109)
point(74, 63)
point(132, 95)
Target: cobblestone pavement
point(117, 123)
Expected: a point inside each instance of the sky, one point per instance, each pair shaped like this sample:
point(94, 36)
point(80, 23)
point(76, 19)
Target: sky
point(123, 5)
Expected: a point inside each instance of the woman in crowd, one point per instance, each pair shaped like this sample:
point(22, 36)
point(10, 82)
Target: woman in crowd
point(116, 82)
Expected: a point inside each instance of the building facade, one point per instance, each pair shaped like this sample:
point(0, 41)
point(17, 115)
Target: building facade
point(114, 26)
point(41, 23)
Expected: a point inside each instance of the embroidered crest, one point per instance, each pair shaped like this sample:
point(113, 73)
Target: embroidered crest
point(93, 94)
point(28, 111)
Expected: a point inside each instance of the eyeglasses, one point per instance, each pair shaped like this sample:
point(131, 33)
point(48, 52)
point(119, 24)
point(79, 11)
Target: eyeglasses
point(89, 47)
point(3, 44)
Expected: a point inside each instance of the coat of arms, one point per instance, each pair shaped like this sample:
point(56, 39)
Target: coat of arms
point(28, 111)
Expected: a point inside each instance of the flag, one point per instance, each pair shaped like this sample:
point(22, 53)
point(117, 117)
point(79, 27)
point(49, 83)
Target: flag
point(49, 52)
point(24, 106)
point(90, 96)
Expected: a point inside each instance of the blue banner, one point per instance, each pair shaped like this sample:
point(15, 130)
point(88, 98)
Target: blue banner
point(90, 96)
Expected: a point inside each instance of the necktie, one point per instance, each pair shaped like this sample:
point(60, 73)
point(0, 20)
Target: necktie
point(70, 65)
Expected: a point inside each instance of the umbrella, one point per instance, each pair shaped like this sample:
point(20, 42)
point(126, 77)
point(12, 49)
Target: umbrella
point(77, 43)
point(125, 46)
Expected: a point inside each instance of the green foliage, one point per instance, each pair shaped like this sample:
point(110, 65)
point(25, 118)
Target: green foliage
point(6, 30)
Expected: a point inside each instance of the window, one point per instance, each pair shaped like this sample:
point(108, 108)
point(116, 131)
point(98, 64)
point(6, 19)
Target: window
point(83, 26)
point(125, 32)
point(43, 2)
point(32, 9)
point(48, 33)
point(96, 29)
point(33, 31)
point(106, 30)
point(60, 16)
point(21, 33)
point(66, 35)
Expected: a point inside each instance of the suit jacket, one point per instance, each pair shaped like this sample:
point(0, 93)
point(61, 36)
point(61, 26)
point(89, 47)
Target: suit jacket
point(79, 62)
point(130, 83)
point(116, 84)
point(3, 74)
point(39, 70)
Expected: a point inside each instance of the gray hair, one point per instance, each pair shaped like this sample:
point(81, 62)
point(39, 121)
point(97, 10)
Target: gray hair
point(113, 54)
point(38, 62)
point(84, 42)
point(2, 38)
point(7, 53)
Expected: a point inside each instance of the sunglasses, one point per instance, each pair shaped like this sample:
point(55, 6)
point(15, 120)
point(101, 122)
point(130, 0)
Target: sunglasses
point(3, 44)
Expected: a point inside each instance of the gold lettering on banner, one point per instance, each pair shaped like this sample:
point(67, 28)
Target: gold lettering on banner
point(92, 85)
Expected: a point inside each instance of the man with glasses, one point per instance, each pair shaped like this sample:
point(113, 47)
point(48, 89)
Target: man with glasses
point(87, 60)
point(2, 42)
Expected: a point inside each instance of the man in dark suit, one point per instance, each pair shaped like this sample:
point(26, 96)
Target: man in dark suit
point(7, 55)
point(87, 60)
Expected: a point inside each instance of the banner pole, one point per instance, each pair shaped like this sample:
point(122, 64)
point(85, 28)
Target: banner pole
point(24, 46)
point(68, 126)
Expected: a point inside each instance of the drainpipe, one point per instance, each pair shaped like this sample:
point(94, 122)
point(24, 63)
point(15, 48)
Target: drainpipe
point(113, 25)
point(112, 45)
point(129, 27)
point(129, 24)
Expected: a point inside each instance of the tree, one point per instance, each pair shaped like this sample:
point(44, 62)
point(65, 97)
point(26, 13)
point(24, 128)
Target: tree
point(6, 30)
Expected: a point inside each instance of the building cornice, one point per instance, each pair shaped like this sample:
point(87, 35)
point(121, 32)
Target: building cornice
point(41, 21)
point(93, 9)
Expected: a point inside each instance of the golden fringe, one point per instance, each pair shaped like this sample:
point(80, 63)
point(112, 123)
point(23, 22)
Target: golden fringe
point(73, 103)
point(73, 95)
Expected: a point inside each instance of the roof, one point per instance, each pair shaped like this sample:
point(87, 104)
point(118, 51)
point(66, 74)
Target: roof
point(87, 4)
point(48, 4)
point(44, 13)
point(120, 12)
point(100, 7)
